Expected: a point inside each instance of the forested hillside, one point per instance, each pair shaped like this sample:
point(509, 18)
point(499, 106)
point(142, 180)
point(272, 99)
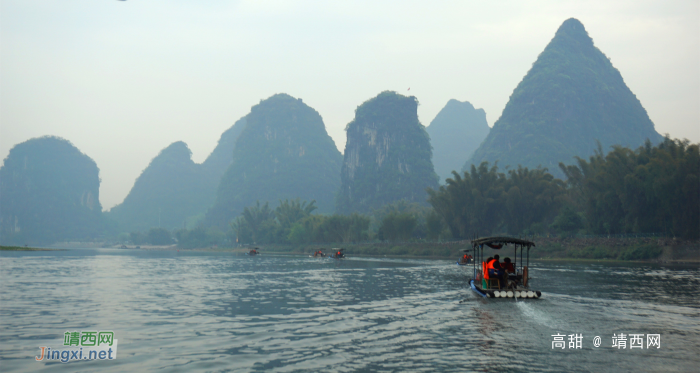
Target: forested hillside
point(387, 155)
point(650, 189)
point(49, 191)
point(284, 152)
point(571, 98)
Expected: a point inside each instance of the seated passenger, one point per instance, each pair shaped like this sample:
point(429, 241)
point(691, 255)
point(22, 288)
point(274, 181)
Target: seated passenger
point(497, 271)
point(510, 271)
point(508, 266)
point(494, 266)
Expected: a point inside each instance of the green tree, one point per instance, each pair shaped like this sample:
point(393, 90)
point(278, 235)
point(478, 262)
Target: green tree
point(159, 236)
point(289, 213)
point(258, 219)
point(531, 197)
point(651, 189)
point(568, 221)
point(436, 228)
point(484, 201)
point(344, 228)
point(397, 227)
point(200, 237)
point(472, 204)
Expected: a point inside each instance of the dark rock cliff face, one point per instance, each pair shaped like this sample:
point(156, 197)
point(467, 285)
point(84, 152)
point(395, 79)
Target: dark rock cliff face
point(387, 155)
point(571, 98)
point(457, 130)
point(49, 191)
point(284, 152)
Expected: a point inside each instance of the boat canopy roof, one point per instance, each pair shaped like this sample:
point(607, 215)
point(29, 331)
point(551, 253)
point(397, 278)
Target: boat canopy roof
point(498, 242)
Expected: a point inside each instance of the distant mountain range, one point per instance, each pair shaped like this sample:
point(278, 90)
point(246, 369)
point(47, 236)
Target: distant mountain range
point(571, 98)
point(455, 133)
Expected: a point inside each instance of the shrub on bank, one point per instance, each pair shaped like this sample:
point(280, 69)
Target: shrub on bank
point(641, 252)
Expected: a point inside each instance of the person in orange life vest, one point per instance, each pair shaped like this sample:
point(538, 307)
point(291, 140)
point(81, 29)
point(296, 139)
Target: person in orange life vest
point(494, 266)
point(496, 270)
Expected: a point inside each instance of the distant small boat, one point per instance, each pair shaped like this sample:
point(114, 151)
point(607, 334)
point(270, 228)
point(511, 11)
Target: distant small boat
point(338, 254)
point(319, 254)
point(253, 252)
point(465, 259)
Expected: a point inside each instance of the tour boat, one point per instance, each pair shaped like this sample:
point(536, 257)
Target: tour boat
point(464, 262)
point(337, 254)
point(318, 254)
point(517, 285)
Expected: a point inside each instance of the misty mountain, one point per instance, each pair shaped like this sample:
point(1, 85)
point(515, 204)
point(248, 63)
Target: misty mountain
point(49, 191)
point(173, 190)
point(455, 133)
point(284, 152)
point(220, 159)
point(387, 155)
point(571, 97)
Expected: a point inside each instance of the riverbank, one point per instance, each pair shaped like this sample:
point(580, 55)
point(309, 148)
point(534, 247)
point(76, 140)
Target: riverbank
point(24, 248)
point(665, 250)
point(660, 250)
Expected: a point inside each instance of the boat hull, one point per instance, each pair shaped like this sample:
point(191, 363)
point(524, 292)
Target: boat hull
point(519, 293)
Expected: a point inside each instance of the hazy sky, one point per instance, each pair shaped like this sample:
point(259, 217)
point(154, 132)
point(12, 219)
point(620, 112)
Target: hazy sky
point(123, 80)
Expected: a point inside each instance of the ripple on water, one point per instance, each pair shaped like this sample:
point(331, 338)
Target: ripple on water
point(211, 312)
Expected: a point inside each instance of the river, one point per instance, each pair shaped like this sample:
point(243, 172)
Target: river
point(216, 311)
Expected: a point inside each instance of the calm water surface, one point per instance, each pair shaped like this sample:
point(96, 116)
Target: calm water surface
point(194, 311)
